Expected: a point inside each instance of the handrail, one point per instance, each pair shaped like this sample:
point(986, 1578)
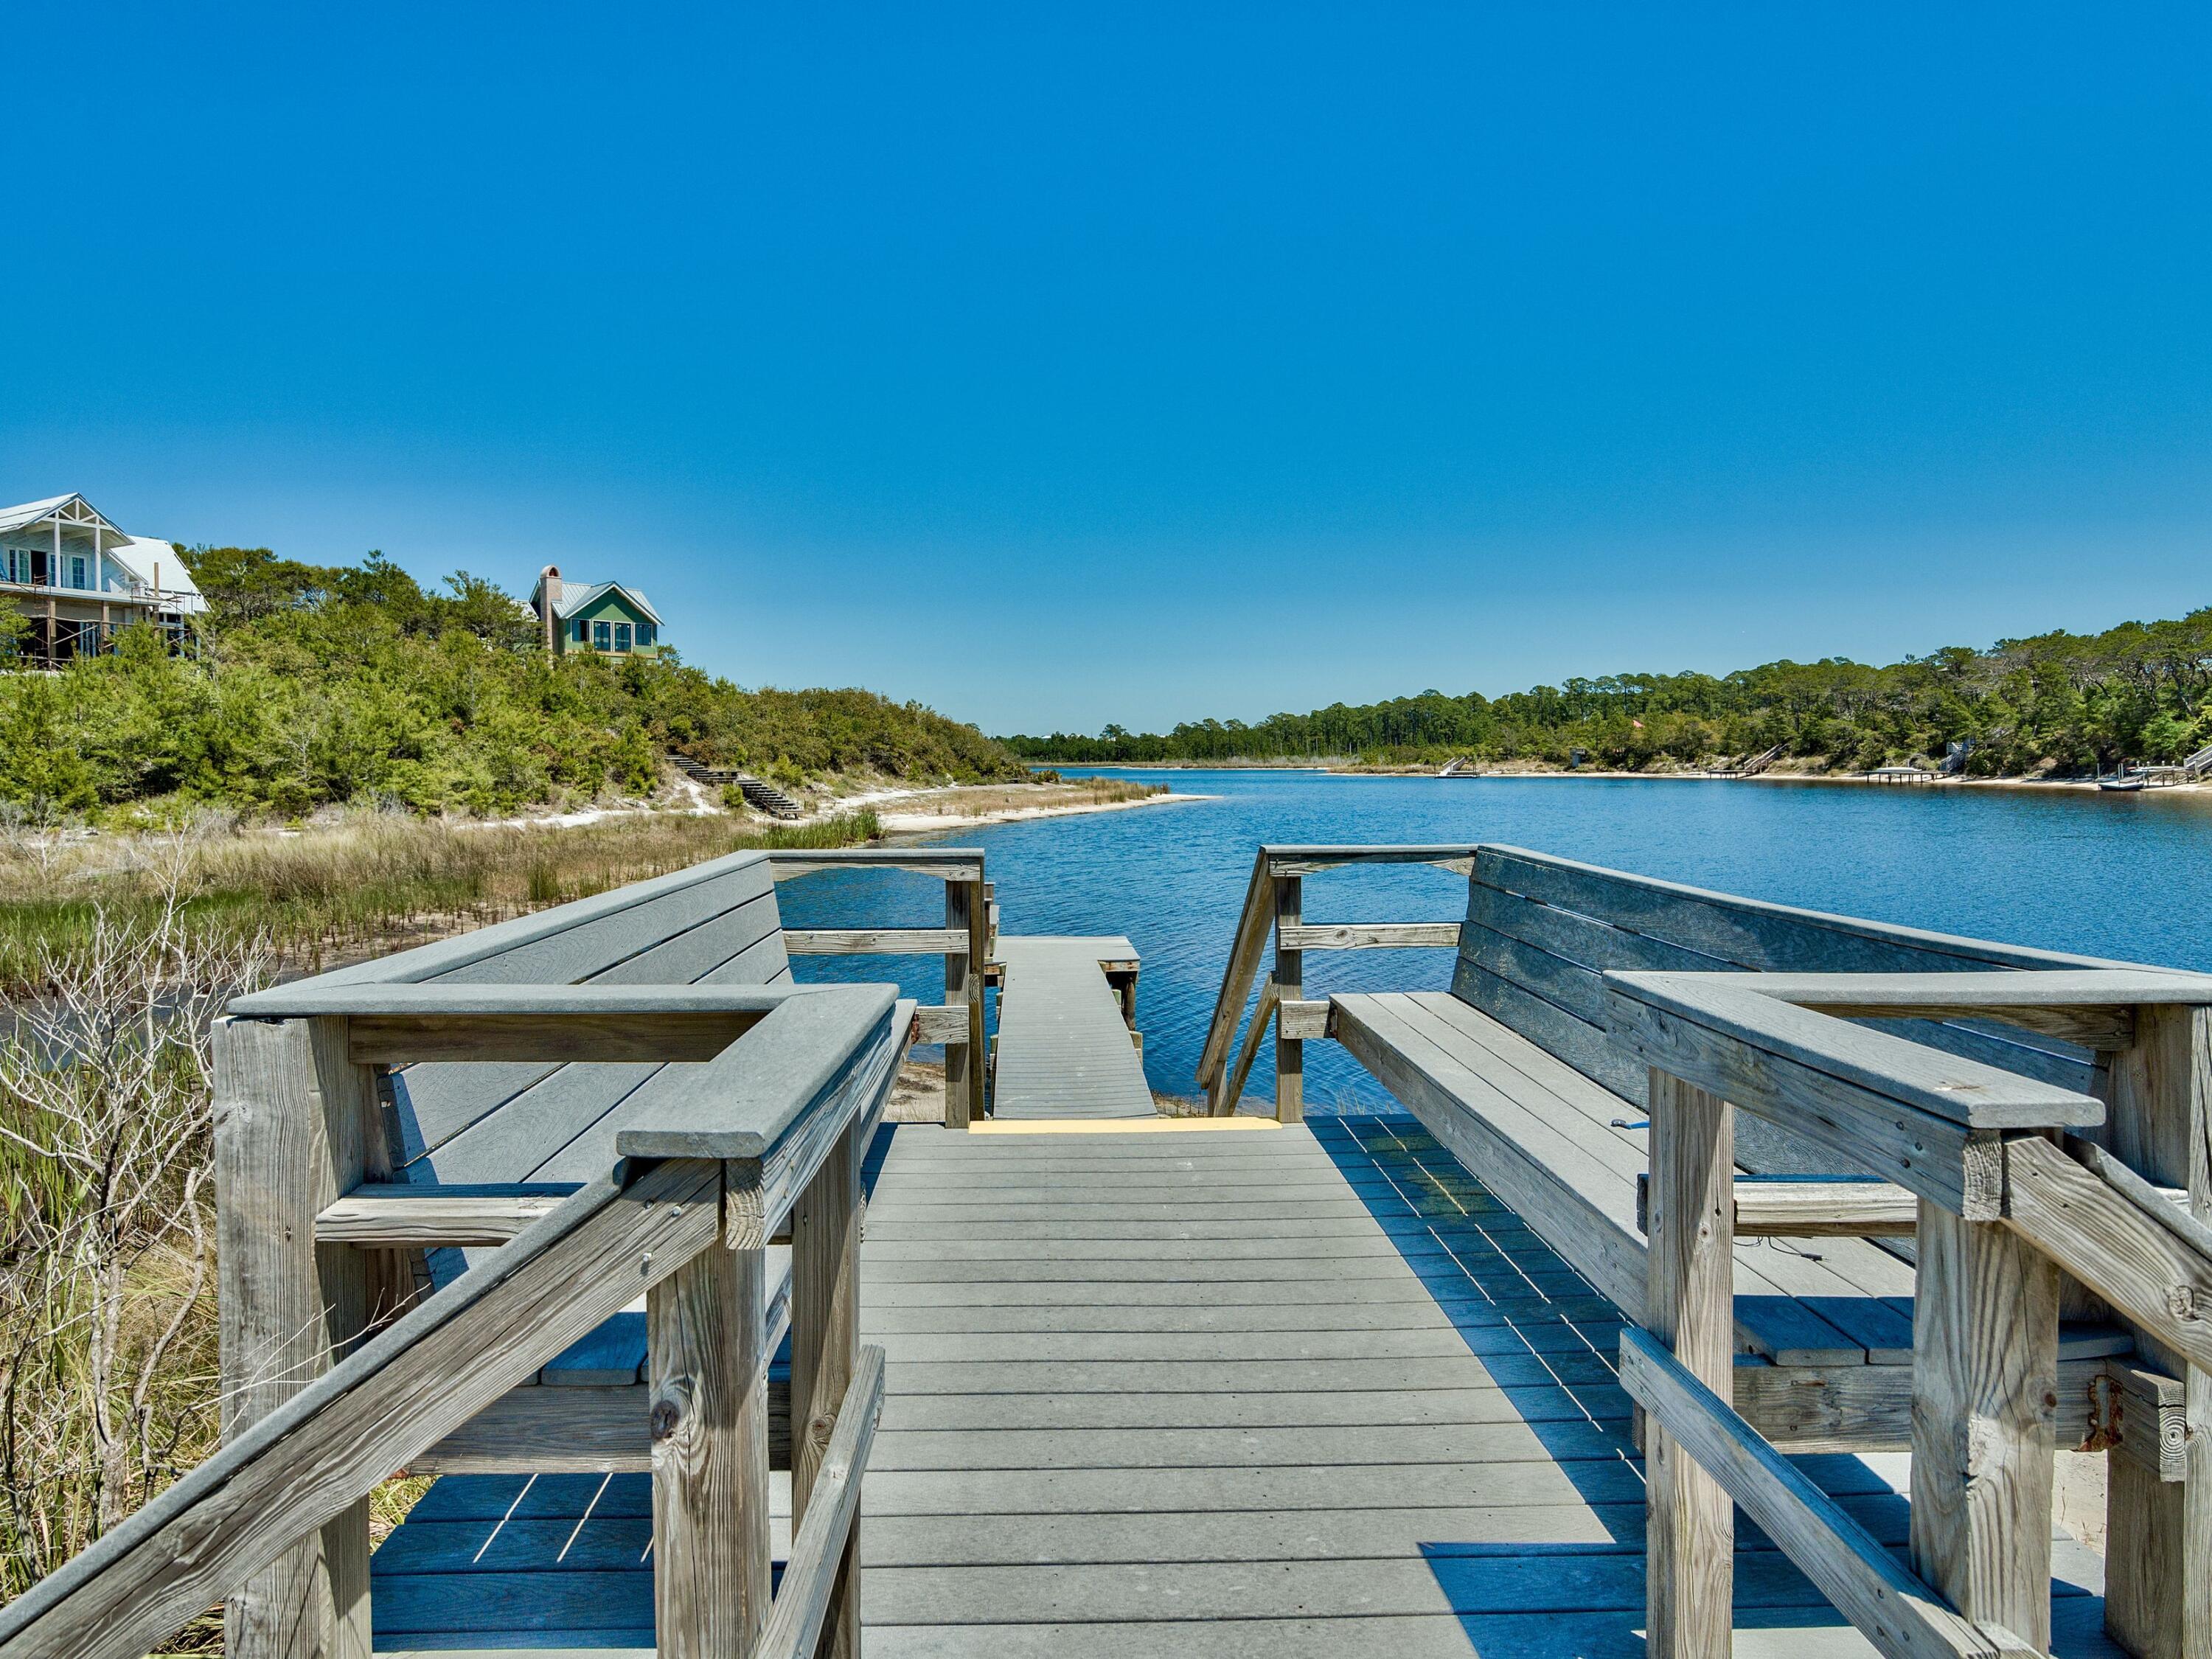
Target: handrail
point(1975, 1145)
point(720, 1152)
point(947, 863)
point(959, 1022)
point(1272, 866)
point(802, 1605)
point(398, 1396)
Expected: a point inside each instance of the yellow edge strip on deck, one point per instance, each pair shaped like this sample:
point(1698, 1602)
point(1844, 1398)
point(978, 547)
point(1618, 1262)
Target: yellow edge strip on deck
point(1112, 1125)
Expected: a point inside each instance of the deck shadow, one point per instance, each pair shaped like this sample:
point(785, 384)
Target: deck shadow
point(1551, 1342)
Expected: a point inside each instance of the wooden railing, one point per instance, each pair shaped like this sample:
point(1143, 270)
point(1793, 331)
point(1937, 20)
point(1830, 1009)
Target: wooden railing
point(1275, 901)
point(2018, 1187)
point(764, 1133)
point(964, 942)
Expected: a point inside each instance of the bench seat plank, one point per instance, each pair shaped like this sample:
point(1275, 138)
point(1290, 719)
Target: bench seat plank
point(1841, 1279)
point(1791, 1308)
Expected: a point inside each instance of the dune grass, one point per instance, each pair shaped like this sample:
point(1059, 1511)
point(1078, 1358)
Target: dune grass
point(368, 882)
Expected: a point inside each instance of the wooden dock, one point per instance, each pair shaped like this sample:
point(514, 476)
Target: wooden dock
point(1306, 1390)
point(1065, 1046)
point(1108, 1382)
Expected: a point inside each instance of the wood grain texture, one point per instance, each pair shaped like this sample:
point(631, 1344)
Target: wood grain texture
point(874, 941)
point(2146, 1269)
point(1248, 1051)
point(708, 1412)
point(1254, 922)
point(389, 1213)
point(1986, 1395)
point(2159, 1599)
point(825, 1340)
point(1368, 935)
point(1289, 981)
point(296, 1124)
point(822, 1551)
point(749, 1099)
point(546, 1039)
point(961, 967)
point(949, 863)
point(1943, 1086)
point(1903, 1617)
point(1690, 1528)
point(320, 1451)
point(1866, 1129)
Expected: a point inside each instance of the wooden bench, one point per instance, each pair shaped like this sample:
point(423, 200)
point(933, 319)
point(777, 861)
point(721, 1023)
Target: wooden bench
point(475, 1148)
point(1513, 1069)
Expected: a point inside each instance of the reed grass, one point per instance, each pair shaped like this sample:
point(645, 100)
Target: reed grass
point(362, 885)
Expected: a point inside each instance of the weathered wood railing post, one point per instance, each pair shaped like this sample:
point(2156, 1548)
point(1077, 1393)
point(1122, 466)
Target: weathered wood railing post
point(963, 985)
point(1290, 977)
point(296, 1124)
point(825, 1343)
point(1689, 1535)
point(2158, 1563)
point(1984, 1399)
point(707, 1368)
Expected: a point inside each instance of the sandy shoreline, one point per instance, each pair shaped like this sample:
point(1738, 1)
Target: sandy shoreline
point(2088, 785)
point(914, 824)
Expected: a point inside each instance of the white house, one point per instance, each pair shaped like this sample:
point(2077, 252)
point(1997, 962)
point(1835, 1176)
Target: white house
point(77, 579)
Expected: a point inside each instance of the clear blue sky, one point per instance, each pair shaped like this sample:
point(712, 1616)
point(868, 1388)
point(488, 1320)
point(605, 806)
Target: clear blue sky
point(1058, 365)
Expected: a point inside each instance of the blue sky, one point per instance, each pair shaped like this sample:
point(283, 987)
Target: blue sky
point(1056, 365)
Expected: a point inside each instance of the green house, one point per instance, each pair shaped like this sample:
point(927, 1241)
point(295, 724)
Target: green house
point(612, 619)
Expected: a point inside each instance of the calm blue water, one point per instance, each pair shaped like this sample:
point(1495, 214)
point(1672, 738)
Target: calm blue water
point(2127, 876)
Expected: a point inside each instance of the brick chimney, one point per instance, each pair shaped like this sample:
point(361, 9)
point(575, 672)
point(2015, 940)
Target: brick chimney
point(548, 583)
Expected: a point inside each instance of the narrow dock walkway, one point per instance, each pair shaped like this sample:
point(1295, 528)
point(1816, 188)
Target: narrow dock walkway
point(1064, 1050)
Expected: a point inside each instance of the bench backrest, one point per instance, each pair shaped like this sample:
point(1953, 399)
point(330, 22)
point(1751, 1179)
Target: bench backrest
point(716, 923)
point(1540, 930)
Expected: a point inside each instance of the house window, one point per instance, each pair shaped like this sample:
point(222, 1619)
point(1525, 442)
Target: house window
point(644, 635)
point(602, 636)
point(583, 632)
point(622, 636)
point(77, 571)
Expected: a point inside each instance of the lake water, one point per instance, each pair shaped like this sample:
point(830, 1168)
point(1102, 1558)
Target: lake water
point(2127, 876)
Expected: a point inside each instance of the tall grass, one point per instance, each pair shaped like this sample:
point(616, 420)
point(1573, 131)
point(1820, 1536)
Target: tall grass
point(108, 1376)
point(364, 884)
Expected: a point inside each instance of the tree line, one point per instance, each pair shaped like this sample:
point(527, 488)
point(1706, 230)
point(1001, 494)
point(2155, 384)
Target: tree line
point(308, 685)
point(2059, 704)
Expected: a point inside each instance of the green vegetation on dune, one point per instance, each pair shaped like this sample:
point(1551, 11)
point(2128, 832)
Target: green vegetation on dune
point(316, 685)
point(2058, 703)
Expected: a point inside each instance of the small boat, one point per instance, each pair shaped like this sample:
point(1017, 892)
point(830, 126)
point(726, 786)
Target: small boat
point(2121, 785)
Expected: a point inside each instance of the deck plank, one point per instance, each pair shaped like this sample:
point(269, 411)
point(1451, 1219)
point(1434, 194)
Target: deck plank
point(1159, 1416)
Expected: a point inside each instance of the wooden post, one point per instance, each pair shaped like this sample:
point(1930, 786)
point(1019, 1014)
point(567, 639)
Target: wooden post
point(1690, 1523)
point(707, 1368)
point(296, 1124)
point(825, 1343)
point(1290, 974)
point(966, 911)
point(1984, 1400)
point(2158, 1562)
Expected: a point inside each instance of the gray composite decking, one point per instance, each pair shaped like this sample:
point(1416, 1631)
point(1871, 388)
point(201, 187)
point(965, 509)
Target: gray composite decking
point(1190, 1391)
point(1063, 1050)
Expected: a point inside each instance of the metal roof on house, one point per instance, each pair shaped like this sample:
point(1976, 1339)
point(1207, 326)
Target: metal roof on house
point(146, 558)
point(14, 518)
point(569, 598)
